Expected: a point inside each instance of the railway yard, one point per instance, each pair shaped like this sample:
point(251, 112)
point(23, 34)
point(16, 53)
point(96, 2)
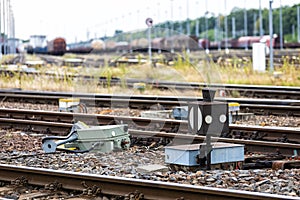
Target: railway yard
point(115, 144)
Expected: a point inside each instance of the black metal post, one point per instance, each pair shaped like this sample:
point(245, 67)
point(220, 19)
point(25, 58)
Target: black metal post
point(208, 151)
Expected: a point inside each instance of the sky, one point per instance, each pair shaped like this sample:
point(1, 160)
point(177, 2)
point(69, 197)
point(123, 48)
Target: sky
point(77, 20)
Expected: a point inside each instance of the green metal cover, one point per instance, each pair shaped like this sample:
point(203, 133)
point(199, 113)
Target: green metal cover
point(105, 138)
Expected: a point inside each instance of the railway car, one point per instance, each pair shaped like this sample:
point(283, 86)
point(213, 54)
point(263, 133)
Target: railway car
point(203, 43)
point(98, 45)
point(181, 42)
point(57, 46)
point(83, 47)
point(275, 40)
point(175, 42)
point(140, 43)
point(80, 47)
point(37, 44)
point(122, 46)
point(158, 43)
point(110, 45)
point(246, 41)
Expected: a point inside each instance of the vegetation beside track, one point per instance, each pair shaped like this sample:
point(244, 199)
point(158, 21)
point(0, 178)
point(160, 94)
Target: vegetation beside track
point(184, 69)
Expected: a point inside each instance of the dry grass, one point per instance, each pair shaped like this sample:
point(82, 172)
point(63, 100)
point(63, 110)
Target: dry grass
point(234, 71)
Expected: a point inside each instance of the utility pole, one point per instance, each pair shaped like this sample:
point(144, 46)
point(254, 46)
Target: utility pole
point(293, 31)
point(172, 27)
point(187, 25)
point(4, 29)
point(260, 21)
point(180, 24)
point(187, 19)
point(233, 27)
point(158, 19)
point(226, 36)
point(206, 28)
point(166, 25)
point(218, 30)
point(298, 22)
point(197, 21)
point(254, 25)
point(271, 35)
point(149, 23)
point(1, 36)
point(245, 25)
point(280, 27)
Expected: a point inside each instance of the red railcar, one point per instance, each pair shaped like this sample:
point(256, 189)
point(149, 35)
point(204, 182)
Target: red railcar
point(57, 46)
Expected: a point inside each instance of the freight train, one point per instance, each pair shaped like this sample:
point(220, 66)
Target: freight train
point(39, 45)
point(176, 43)
point(58, 46)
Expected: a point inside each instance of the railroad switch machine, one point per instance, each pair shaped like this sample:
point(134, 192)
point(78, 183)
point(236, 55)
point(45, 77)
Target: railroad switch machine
point(211, 119)
point(83, 138)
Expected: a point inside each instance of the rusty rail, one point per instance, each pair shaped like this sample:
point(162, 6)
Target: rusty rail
point(122, 186)
point(258, 106)
point(285, 134)
point(58, 128)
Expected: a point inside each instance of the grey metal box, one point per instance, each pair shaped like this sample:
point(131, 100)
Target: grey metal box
point(109, 137)
point(221, 153)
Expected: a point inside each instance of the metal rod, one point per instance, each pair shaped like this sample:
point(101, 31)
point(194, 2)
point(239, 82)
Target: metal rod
point(208, 151)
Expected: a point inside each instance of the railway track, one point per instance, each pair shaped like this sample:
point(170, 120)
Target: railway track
point(263, 139)
point(109, 186)
point(287, 107)
point(119, 186)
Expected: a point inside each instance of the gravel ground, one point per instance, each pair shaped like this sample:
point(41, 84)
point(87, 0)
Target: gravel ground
point(18, 148)
point(126, 163)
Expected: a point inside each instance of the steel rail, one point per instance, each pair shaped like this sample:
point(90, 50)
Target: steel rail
point(165, 124)
point(144, 123)
point(122, 186)
point(287, 149)
point(138, 122)
point(8, 92)
point(257, 106)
